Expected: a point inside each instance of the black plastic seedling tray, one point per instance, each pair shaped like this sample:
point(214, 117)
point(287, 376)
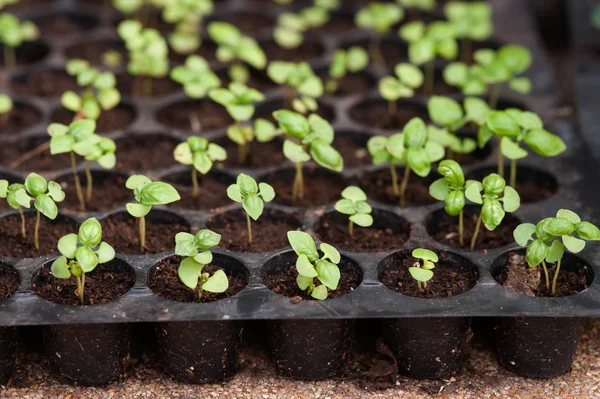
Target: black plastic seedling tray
point(574, 173)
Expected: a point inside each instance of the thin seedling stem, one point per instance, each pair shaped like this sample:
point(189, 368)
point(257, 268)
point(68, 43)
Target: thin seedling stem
point(476, 233)
point(77, 182)
point(249, 229)
point(429, 77)
point(513, 173)
point(546, 274)
point(23, 231)
point(36, 241)
point(298, 187)
point(404, 184)
point(392, 110)
point(81, 286)
point(195, 185)
point(142, 233)
point(495, 94)
point(375, 50)
point(500, 163)
point(461, 228)
point(351, 228)
point(36, 151)
point(466, 49)
point(555, 277)
point(395, 189)
point(10, 60)
point(89, 182)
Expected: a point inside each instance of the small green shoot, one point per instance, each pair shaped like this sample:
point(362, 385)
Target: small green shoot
point(12, 34)
point(201, 154)
point(300, 85)
point(392, 88)
point(188, 17)
point(379, 17)
point(471, 21)
point(353, 60)
point(289, 32)
point(354, 203)
point(422, 270)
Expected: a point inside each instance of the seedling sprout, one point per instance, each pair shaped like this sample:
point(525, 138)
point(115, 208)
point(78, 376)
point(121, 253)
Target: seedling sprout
point(201, 154)
point(354, 203)
point(408, 78)
point(353, 60)
point(379, 17)
point(188, 17)
point(422, 270)
point(471, 21)
point(12, 34)
point(289, 32)
point(300, 86)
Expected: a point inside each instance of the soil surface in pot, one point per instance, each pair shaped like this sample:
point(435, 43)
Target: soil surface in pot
point(444, 228)
point(133, 87)
point(106, 282)
point(118, 118)
point(450, 277)
point(13, 244)
point(94, 50)
point(349, 85)
point(63, 25)
point(262, 155)
point(28, 53)
point(338, 23)
point(121, 230)
point(164, 281)
point(375, 114)
point(109, 191)
point(393, 51)
point(307, 51)
point(269, 232)
point(353, 149)
point(531, 191)
point(19, 118)
point(208, 116)
point(518, 277)
point(9, 281)
point(145, 152)
point(378, 186)
point(213, 194)
point(319, 189)
point(44, 83)
point(40, 162)
point(388, 232)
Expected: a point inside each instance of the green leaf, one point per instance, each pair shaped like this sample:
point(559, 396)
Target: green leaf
point(362, 219)
point(189, 271)
point(137, 181)
point(266, 191)
point(452, 173)
point(253, 206)
point(523, 233)
point(511, 199)
point(456, 74)
point(87, 259)
point(294, 124)
point(46, 206)
point(157, 193)
point(545, 143)
point(501, 124)
point(202, 162)
point(569, 215)
point(206, 239)
point(511, 150)
point(558, 227)
point(354, 193)
point(247, 184)
point(184, 244)
point(476, 109)
point(484, 135)
point(204, 258)
point(473, 191)
point(419, 162)
point(305, 267)
point(346, 207)
point(493, 185)
point(439, 189)
point(60, 268)
point(419, 274)
point(329, 252)
point(61, 144)
point(303, 244)
point(328, 274)
point(71, 101)
point(303, 282)
point(587, 231)
point(515, 57)
point(233, 192)
point(556, 252)
point(326, 156)
point(425, 254)
point(492, 214)
point(295, 152)
point(444, 111)
point(90, 233)
point(67, 245)
point(454, 203)
point(105, 253)
point(319, 292)
point(35, 184)
point(216, 283)
point(573, 244)
point(520, 85)
point(409, 75)
point(536, 252)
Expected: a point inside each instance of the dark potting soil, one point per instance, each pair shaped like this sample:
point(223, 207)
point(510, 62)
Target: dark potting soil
point(106, 282)
point(109, 191)
point(62, 25)
point(349, 85)
point(338, 23)
point(518, 277)
point(353, 148)
point(9, 281)
point(378, 186)
point(118, 118)
point(159, 86)
point(150, 17)
point(213, 194)
point(319, 189)
point(207, 51)
point(269, 232)
point(209, 115)
point(444, 229)
point(41, 162)
point(44, 83)
point(248, 23)
point(164, 281)
point(145, 152)
point(376, 114)
point(285, 283)
point(13, 244)
point(307, 51)
point(262, 155)
point(384, 235)
point(450, 278)
point(440, 88)
point(393, 52)
point(94, 50)
point(28, 53)
point(532, 191)
point(19, 118)
point(121, 230)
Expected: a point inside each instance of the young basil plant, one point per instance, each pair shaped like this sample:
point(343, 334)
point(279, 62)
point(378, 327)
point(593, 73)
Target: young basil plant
point(201, 154)
point(412, 148)
point(196, 77)
point(471, 21)
point(408, 78)
point(188, 17)
point(353, 60)
point(289, 32)
point(6, 105)
point(148, 55)
point(354, 203)
point(309, 138)
point(422, 270)
point(148, 193)
point(310, 266)
point(252, 196)
point(496, 200)
point(560, 233)
point(514, 127)
point(81, 253)
point(196, 250)
point(44, 195)
point(99, 91)
point(378, 17)
point(12, 34)
point(426, 42)
point(236, 49)
point(300, 85)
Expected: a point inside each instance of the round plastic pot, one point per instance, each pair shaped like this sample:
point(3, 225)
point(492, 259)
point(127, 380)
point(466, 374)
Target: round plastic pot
point(537, 347)
point(8, 346)
point(199, 351)
point(427, 347)
point(87, 354)
point(310, 349)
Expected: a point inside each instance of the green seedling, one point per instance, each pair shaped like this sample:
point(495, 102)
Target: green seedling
point(308, 138)
point(412, 148)
point(422, 5)
point(148, 55)
point(236, 49)
point(81, 253)
point(471, 21)
point(300, 85)
point(551, 236)
point(379, 17)
point(289, 32)
point(201, 154)
point(422, 270)
point(496, 200)
point(514, 127)
point(491, 68)
point(310, 266)
point(148, 193)
point(44, 195)
point(353, 60)
point(252, 196)
point(12, 34)
point(426, 42)
point(112, 59)
point(354, 203)
point(6, 105)
point(328, 4)
point(187, 15)
point(392, 88)
point(196, 250)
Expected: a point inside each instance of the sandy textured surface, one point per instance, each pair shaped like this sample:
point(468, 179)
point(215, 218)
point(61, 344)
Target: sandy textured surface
point(480, 377)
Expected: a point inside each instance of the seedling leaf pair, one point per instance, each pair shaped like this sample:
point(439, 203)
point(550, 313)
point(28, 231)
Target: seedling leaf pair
point(354, 203)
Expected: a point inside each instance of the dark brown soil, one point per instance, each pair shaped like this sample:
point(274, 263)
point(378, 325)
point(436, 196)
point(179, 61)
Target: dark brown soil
point(39, 163)
point(160, 86)
point(320, 188)
point(532, 192)
point(387, 233)
point(109, 191)
point(145, 152)
point(28, 53)
point(376, 114)
point(213, 193)
point(269, 232)
point(353, 148)
point(207, 50)
point(257, 80)
point(307, 51)
point(106, 282)
point(349, 85)
point(248, 23)
point(64, 25)
point(451, 276)
point(378, 186)
point(12, 243)
point(518, 277)
point(444, 228)
point(43, 83)
point(393, 51)
point(9, 281)
point(164, 281)
point(266, 110)
point(118, 118)
point(210, 115)
point(440, 88)
point(94, 50)
point(121, 230)
point(338, 23)
point(21, 117)
point(262, 155)
point(150, 17)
